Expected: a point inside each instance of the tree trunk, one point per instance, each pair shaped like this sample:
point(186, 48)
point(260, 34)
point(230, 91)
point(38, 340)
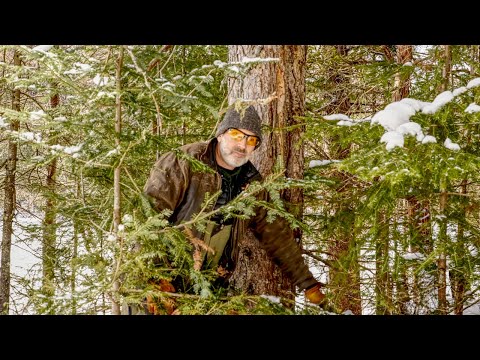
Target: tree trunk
point(459, 281)
point(447, 68)
point(116, 185)
point(49, 230)
point(383, 300)
point(285, 80)
point(73, 288)
point(442, 259)
point(402, 82)
point(403, 54)
point(345, 274)
point(475, 54)
point(419, 222)
point(9, 204)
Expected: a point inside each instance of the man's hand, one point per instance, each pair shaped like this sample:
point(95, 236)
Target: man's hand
point(314, 295)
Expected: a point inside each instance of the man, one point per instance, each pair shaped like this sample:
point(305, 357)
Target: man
point(174, 185)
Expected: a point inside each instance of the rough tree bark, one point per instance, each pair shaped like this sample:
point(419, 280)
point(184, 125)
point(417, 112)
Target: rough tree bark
point(285, 80)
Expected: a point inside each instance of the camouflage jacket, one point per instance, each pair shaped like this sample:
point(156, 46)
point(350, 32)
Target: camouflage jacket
point(174, 185)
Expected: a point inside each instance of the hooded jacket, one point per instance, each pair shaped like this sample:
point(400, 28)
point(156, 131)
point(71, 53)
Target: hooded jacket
point(174, 184)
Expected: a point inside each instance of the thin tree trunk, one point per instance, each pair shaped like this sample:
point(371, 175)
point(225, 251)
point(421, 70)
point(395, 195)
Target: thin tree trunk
point(49, 230)
point(382, 294)
point(78, 231)
point(442, 259)
point(401, 82)
point(344, 275)
point(457, 274)
point(475, 51)
point(403, 54)
point(285, 81)
point(9, 204)
point(401, 284)
point(447, 68)
point(420, 242)
point(74, 268)
point(116, 184)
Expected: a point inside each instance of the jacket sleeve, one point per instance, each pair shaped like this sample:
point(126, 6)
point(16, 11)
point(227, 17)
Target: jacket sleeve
point(277, 239)
point(167, 183)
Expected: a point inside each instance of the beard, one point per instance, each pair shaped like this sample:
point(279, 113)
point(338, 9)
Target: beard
point(229, 157)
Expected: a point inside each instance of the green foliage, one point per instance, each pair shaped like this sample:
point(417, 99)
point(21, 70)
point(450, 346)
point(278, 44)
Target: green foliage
point(155, 249)
point(355, 202)
point(176, 89)
point(367, 202)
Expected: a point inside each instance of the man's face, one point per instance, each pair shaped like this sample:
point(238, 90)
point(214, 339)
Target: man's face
point(234, 147)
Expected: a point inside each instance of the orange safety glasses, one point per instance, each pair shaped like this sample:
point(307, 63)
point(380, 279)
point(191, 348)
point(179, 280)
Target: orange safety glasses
point(238, 135)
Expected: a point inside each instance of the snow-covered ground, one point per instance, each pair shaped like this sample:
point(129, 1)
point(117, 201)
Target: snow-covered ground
point(24, 261)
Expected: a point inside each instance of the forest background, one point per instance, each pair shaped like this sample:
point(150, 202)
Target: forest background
point(372, 150)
